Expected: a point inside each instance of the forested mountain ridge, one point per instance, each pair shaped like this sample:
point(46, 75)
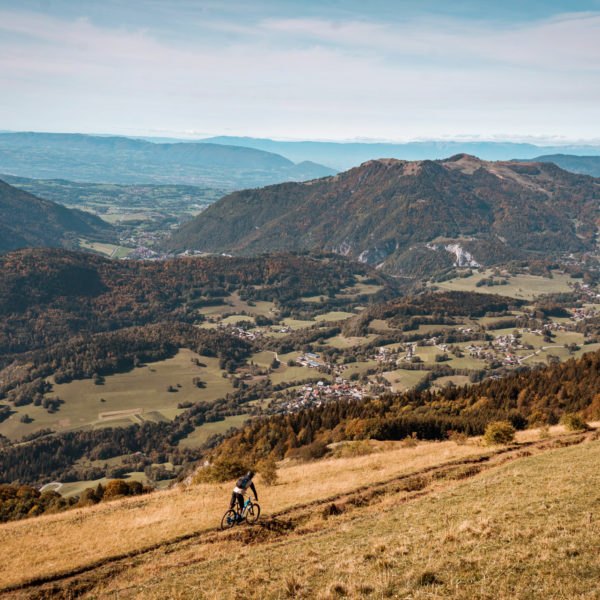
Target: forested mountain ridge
point(29, 221)
point(50, 295)
point(124, 160)
point(406, 217)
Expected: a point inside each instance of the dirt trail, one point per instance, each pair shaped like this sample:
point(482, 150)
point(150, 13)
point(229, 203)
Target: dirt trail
point(75, 583)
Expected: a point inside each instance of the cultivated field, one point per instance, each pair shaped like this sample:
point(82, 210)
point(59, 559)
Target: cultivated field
point(110, 250)
point(402, 380)
point(525, 287)
point(130, 397)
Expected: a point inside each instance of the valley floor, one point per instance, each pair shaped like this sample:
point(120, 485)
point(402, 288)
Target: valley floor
point(435, 520)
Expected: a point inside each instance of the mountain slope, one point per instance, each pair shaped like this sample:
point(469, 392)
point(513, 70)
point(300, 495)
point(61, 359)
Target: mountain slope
point(50, 295)
point(124, 160)
point(365, 526)
point(586, 165)
point(28, 221)
point(401, 215)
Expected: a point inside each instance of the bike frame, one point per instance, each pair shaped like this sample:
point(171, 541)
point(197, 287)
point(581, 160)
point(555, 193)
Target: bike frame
point(245, 509)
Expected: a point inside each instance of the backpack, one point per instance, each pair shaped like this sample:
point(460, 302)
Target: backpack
point(243, 482)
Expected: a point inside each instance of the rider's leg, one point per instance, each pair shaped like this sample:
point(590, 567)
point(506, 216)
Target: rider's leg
point(240, 500)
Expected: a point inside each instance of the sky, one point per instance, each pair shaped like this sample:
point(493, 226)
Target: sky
point(338, 70)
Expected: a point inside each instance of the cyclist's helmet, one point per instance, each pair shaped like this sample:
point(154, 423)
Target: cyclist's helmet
point(250, 474)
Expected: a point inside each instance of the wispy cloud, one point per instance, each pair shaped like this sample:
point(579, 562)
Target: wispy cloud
point(304, 77)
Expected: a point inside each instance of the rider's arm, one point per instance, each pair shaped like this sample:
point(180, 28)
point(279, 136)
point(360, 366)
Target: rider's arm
point(254, 490)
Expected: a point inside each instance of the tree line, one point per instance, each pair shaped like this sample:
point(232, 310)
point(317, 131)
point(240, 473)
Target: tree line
point(532, 397)
point(50, 295)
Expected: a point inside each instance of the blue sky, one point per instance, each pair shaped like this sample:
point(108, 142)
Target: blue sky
point(520, 70)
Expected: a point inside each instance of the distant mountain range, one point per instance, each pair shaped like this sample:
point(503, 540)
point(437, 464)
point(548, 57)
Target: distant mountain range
point(125, 160)
point(410, 217)
point(345, 155)
point(28, 221)
point(586, 165)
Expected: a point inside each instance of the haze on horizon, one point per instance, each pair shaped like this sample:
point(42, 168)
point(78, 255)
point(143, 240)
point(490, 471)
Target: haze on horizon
point(523, 71)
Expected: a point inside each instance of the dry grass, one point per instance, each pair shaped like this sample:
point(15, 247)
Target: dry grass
point(527, 530)
point(123, 526)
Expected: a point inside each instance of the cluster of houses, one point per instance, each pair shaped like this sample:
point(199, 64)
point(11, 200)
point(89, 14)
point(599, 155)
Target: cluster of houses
point(587, 292)
point(144, 253)
point(311, 360)
point(583, 313)
point(389, 355)
point(321, 392)
point(314, 361)
point(505, 345)
point(547, 327)
point(240, 332)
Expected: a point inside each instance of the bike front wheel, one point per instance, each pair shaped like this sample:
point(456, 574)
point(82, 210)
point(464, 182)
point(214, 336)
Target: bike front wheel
point(252, 514)
point(229, 519)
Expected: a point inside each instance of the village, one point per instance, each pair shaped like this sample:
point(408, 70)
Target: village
point(309, 395)
point(481, 347)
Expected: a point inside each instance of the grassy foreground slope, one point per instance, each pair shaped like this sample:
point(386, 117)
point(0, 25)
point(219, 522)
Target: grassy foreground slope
point(436, 520)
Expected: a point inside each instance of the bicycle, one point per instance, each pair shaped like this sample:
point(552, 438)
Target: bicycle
point(250, 513)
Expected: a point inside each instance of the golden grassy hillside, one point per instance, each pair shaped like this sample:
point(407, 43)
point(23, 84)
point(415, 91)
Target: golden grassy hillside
point(436, 520)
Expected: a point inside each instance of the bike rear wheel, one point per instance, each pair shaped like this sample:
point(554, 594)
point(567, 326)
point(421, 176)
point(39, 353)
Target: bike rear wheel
point(229, 519)
point(252, 514)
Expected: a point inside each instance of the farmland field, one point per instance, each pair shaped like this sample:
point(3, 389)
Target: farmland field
point(526, 287)
point(142, 390)
point(401, 379)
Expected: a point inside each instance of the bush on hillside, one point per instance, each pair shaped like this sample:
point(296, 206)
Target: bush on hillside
point(315, 450)
point(574, 421)
point(351, 449)
point(267, 469)
point(537, 418)
point(225, 468)
point(410, 441)
point(499, 432)
point(114, 488)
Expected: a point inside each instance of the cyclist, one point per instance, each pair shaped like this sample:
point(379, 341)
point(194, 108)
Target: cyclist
point(238, 491)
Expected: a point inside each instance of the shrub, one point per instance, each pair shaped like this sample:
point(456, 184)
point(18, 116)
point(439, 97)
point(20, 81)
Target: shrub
point(574, 421)
point(537, 418)
point(224, 468)
point(458, 437)
point(267, 469)
point(88, 497)
point(410, 441)
point(499, 432)
point(292, 587)
point(313, 451)
point(360, 448)
point(115, 488)
point(427, 578)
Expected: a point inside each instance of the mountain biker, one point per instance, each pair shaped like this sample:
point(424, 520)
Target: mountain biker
point(238, 491)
